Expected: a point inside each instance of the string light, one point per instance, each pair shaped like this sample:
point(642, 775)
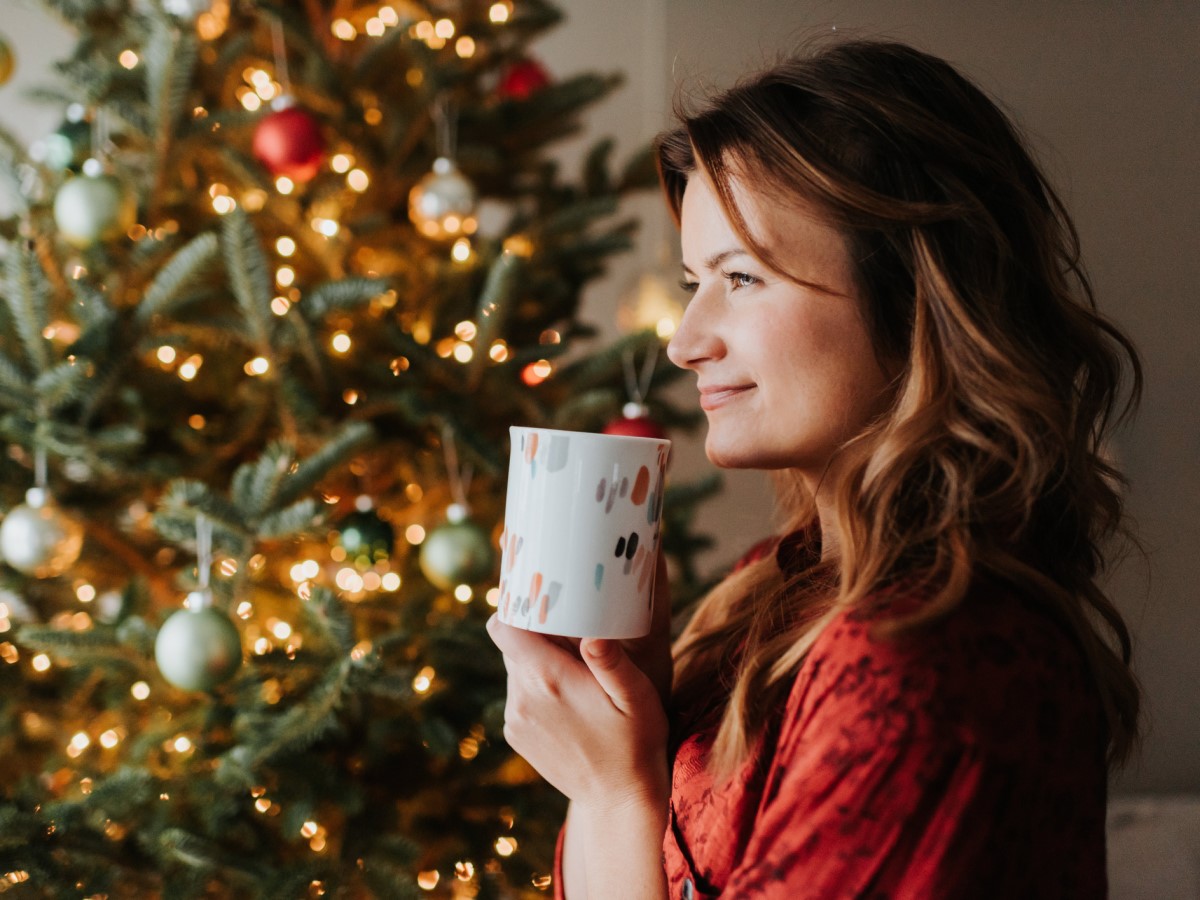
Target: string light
point(398, 365)
point(9, 653)
point(390, 582)
point(500, 12)
point(257, 366)
point(85, 592)
point(327, 227)
point(506, 846)
point(358, 180)
point(197, 421)
point(463, 352)
point(245, 609)
point(249, 99)
point(110, 739)
point(461, 251)
point(191, 367)
point(498, 351)
point(413, 492)
point(414, 534)
point(424, 680)
point(428, 880)
point(140, 690)
point(340, 342)
point(465, 330)
point(285, 276)
point(285, 246)
point(341, 163)
point(284, 185)
point(389, 16)
point(78, 744)
point(465, 47)
point(493, 597)
point(375, 26)
point(343, 30)
point(462, 593)
point(128, 59)
point(40, 663)
point(423, 31)
point(280, 305)
point(166, 354)
point(444, 29)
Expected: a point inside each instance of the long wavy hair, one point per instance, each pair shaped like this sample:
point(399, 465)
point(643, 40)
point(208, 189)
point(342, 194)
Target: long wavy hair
point(989, 462)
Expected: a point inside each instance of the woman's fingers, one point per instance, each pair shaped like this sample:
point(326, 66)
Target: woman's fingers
point(625, 684)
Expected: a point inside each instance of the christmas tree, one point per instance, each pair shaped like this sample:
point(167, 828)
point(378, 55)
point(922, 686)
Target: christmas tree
point(272, 296)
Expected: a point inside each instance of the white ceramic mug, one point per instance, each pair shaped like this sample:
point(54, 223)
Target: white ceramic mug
point(581, 532)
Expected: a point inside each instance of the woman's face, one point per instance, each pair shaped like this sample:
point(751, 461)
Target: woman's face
point(786, 371)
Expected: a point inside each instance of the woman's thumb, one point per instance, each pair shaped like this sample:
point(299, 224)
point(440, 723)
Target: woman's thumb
point(614, 670)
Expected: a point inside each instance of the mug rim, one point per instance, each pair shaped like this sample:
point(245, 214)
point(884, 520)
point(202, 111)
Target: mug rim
point(589, 434)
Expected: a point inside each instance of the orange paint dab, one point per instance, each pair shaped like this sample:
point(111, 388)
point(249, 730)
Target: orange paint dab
point(641, 486)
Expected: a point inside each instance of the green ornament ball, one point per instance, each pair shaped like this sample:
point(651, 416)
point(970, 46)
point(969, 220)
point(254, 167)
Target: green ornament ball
point(7, 63)
point(90, 209)
point(198, 649)
point(366, 537)
point(69, 146)
point(457, 553)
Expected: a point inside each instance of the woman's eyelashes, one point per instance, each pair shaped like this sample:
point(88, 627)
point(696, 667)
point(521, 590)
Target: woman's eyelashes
point(737, 280)
point(740, 280)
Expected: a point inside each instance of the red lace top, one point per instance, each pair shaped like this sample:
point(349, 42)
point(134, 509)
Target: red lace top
point(967, 762)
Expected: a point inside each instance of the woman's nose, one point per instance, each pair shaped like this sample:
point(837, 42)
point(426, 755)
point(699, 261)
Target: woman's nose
point(697, 338)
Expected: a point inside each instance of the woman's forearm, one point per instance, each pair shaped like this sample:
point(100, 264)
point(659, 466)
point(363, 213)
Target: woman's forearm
point(615, 850)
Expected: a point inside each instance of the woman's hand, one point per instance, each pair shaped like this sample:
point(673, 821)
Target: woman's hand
point(592, 724)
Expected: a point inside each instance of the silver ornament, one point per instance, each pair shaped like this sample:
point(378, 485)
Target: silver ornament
point(442, 204)
point(199, 647)
point(458, 552)
point(38, 538)
point(90, 209)
point(186, 9)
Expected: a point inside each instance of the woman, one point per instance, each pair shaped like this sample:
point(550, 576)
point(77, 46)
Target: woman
point(917, 693)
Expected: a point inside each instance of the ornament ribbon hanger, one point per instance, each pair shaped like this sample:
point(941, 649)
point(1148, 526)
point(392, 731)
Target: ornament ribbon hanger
point(202, 596)
point(637, 385)
point(446, 123)
point(460, 477)
point(101, 144)
point(279, 48)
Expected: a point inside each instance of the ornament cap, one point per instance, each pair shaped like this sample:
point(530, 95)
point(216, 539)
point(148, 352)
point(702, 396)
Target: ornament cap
point(282, 102)
point(634, 410)
point(457, 512)
point(37, 497)
point(444, 165)
point(198, 600)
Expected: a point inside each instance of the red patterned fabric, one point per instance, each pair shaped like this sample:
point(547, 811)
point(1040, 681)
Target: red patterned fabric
point(965, 762)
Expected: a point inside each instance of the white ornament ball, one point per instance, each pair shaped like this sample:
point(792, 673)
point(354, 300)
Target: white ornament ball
point(186, 9)
point(198, 648)
point(89, 209)
point(442, 204)
point(38, 538)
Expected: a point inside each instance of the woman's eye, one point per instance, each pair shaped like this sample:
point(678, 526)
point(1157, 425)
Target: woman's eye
point(740, 280)
point(689, 287)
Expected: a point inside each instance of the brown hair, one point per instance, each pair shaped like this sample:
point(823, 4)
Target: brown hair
point(990, 461)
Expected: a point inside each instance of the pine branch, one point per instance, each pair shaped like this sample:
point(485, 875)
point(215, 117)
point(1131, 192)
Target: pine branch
point(15, 389)
point(163, 294)
point(326, 612)
point(170, 56)
point(493, 308)
point(65, 383)
point(256, 484)
point(290, 521)
point(335, 451)
point(28, 298)
point(248, 275)
point(346, 293)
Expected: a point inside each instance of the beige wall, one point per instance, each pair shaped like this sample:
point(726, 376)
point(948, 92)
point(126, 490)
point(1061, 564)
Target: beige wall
point(1109, 94)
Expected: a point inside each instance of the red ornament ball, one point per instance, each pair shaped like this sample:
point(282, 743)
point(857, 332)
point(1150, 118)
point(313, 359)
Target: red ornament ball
point(289, 142)
point(523, 79)
point(639, 426)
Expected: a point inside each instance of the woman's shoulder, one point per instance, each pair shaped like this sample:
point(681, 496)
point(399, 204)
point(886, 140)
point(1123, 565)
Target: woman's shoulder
point(997, 670)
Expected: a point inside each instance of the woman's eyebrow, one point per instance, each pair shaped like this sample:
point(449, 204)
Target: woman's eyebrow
point(717, 258)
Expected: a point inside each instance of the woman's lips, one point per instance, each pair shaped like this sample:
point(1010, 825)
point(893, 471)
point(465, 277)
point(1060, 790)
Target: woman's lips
point(720, 394)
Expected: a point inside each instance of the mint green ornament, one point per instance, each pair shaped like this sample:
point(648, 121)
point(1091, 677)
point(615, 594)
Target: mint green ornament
point(458, 552)
point(198, 648)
